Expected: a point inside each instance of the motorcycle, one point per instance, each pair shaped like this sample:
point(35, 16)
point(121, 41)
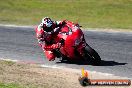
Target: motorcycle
point(74, 46)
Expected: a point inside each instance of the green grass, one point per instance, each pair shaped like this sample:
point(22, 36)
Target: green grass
point(89, 13)
point(8, 63)
point(10, 85)
point(14, 85)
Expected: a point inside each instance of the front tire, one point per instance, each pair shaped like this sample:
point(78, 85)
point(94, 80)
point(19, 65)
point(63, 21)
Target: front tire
point(91, 56)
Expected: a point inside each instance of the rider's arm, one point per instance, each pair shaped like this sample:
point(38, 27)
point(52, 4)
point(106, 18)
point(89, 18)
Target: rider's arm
point(39, 35)
point(46, 41)
point(60, 23)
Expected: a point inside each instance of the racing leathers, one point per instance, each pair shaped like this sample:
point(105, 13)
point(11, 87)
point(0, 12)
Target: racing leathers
point(48, 40)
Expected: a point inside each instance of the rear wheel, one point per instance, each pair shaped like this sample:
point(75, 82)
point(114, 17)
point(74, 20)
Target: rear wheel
point(91, 56)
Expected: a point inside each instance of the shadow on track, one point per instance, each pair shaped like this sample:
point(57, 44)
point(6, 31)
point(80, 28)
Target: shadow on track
point(110, 63)
point(103, 63)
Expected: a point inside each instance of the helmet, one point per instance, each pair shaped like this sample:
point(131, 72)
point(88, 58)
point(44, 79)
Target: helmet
point(47, 22)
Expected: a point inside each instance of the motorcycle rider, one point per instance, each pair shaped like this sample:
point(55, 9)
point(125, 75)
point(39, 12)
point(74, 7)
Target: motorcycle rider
point(46, 33)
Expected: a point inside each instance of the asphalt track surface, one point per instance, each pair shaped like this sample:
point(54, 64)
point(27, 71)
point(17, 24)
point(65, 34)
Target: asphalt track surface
point(115, 49)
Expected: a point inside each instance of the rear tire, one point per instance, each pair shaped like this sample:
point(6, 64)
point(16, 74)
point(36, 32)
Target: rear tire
point(91, 56)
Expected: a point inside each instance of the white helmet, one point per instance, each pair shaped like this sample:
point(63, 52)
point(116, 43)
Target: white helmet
point(47, 22)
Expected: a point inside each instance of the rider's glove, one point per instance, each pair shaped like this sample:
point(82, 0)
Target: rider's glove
point(55, 46)
point(63, 22)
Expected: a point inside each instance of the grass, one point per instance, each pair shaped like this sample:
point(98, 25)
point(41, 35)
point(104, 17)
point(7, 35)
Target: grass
point(10, 85)
point(89, 13)
point(15, 85)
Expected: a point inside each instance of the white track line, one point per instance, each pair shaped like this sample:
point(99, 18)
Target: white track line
point(85, 29)
point(52, 66)
point(9, 60)
point(9, 25)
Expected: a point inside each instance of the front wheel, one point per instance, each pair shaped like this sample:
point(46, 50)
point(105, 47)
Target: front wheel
point(91, 56)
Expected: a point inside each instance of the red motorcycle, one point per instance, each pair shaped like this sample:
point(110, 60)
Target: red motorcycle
point(74, 46)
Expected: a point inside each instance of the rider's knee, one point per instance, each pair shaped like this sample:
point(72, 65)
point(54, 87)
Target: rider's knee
point(50, 55)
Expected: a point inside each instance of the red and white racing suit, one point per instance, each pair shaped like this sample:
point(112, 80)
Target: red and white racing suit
point(48, 40)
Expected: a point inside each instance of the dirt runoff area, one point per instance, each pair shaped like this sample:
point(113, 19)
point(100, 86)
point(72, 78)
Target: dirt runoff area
point(34, 76)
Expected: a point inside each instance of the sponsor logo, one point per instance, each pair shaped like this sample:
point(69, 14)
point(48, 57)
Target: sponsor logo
point(86, 81)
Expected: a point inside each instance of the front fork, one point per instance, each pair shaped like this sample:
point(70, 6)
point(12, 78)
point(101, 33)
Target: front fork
point(81, 48)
